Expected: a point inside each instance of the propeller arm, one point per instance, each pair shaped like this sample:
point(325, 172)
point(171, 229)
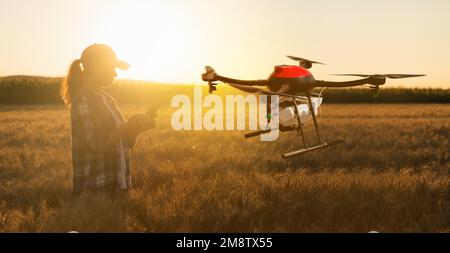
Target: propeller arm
point(369, 80)
point(211, 76)
point(242, 82)
point(374, 80)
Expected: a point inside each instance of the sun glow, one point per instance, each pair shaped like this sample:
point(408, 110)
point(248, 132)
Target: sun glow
point(171, 41)
point(153, 36)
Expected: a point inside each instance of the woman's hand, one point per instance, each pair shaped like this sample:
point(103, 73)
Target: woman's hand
point(134, 125)
point(139, 123)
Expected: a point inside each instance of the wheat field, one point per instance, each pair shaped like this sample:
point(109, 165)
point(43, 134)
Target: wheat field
point(391, 174)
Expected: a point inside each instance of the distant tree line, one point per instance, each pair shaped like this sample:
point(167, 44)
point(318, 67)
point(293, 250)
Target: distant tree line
point(43, 90)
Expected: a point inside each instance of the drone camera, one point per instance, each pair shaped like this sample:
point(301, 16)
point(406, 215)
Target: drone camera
point(212, 87)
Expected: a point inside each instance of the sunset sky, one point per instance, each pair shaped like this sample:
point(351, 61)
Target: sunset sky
point(172, 40)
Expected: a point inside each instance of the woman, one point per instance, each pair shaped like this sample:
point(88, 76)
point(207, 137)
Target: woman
point(101, 139)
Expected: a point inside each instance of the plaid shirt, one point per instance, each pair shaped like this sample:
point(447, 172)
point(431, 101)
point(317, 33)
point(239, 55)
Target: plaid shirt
point(97, 165)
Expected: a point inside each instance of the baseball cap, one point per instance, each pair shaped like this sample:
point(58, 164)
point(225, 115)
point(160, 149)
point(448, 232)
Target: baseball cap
point(102, 54)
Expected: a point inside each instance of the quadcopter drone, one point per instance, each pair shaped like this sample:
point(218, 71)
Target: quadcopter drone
point(298, 103)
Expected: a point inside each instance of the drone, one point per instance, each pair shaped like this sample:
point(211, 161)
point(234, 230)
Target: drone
point(298, 104)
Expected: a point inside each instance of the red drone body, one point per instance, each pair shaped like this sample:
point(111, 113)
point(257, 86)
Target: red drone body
point(290, 71)
point(296, 78)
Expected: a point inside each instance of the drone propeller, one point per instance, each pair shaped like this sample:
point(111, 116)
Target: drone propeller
point(392, 76)
point(305, 63)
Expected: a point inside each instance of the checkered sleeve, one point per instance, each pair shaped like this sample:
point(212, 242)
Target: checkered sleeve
point(86, 129)
point(129, 139)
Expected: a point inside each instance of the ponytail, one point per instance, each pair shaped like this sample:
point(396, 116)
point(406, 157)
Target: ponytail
point(72, 83)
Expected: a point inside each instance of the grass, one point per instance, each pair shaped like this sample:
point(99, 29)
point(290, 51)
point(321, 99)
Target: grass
point(391, 174)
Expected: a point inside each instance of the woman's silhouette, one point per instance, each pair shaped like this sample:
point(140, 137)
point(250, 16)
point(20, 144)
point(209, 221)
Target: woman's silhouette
point(101, 138)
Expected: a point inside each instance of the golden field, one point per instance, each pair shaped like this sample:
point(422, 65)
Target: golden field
point(391, 174)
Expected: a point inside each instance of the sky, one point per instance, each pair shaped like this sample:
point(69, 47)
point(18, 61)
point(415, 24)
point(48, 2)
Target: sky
point(172, 40)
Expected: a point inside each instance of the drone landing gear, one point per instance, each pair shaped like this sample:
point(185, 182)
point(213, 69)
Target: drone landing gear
point(312, 148)
point(308, 148)
point(256, 133)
